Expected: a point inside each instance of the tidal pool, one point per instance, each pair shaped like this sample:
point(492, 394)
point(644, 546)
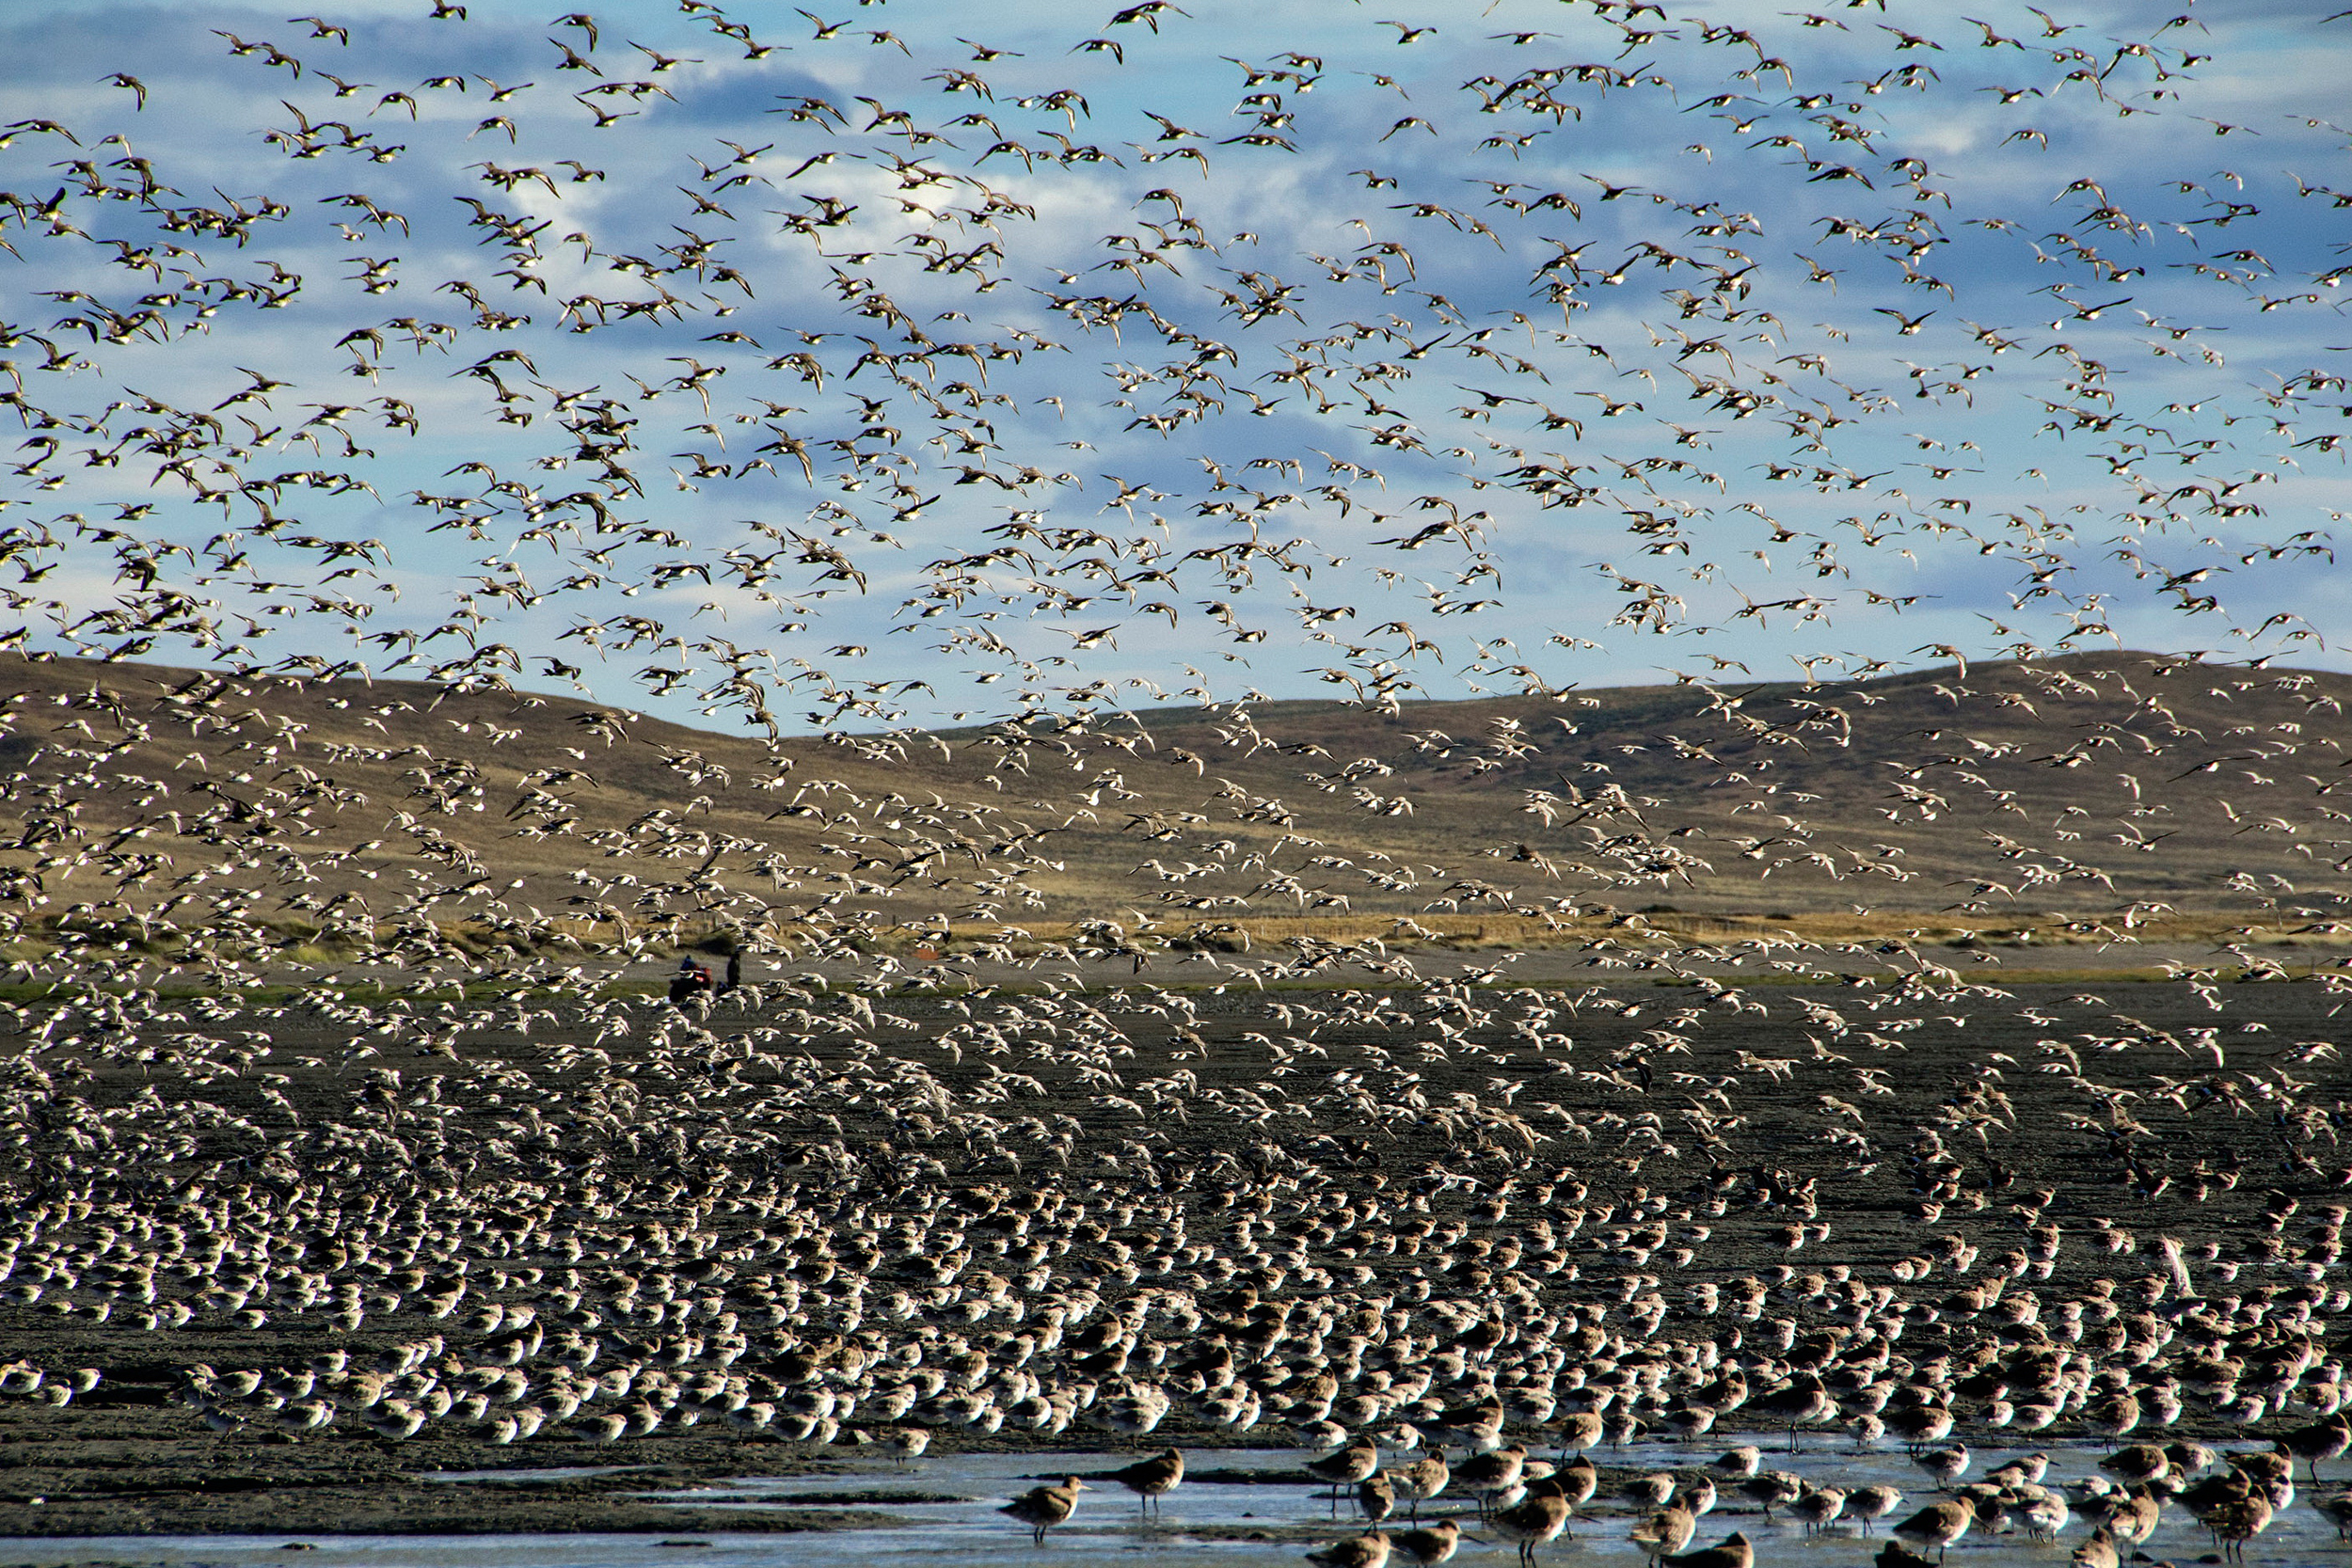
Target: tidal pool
point(1253, 1505)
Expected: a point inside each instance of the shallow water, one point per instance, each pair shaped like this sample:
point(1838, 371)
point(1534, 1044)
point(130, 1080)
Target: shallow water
point(960, 1532)
point(511, 1478)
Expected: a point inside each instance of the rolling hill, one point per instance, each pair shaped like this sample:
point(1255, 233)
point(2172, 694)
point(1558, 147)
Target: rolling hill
point(1998, 794)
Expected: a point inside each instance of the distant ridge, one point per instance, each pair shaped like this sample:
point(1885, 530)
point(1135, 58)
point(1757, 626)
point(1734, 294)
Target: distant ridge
point(1751, 796)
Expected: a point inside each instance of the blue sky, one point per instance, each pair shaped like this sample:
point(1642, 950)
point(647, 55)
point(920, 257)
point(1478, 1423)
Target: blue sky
point(1881, 337)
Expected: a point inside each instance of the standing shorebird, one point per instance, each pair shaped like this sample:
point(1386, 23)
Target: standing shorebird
point(1580, 1430)
point(2236, 1522)
point(1421, 1481)
point(2027, 1468)
point(1801, 1402)
point(1732, 1551)
point(1820, 1508)
point(1538, 1521)
point(1150, 1479)
point(1578, 1481)
point(1920, 1425)
point(1345, 1468)
point(1477, 1427)
point(1872, 1502)
point(2132, 1518)
point(2112, 1417)
point(2034, 1416)
point(1946, 1464)
point(1664, 1532)
point(1655, 1490)
point(1772, 1489)
point(1368, 1550)
point(1937, 1526)
point(2327, 1439)
point(1740, 1462)
point(2192, 1458)
point(2040, 1511)
point(1431, 1546)
point(1044, 1507)
point(1376, 1497)
point(2137, 1463)
point(1488, 1476)
point(1691, 1422)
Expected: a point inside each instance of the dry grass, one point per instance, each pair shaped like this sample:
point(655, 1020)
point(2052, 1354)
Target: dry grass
point(1837, 813)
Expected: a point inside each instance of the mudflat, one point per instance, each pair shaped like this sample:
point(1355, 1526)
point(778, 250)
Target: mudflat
point(286, 1267)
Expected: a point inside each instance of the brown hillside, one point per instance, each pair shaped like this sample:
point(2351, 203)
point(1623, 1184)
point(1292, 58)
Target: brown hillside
point(2072, 786)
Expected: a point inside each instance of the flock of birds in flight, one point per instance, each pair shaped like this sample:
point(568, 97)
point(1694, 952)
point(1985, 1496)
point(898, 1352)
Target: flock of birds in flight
point(875, 314)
